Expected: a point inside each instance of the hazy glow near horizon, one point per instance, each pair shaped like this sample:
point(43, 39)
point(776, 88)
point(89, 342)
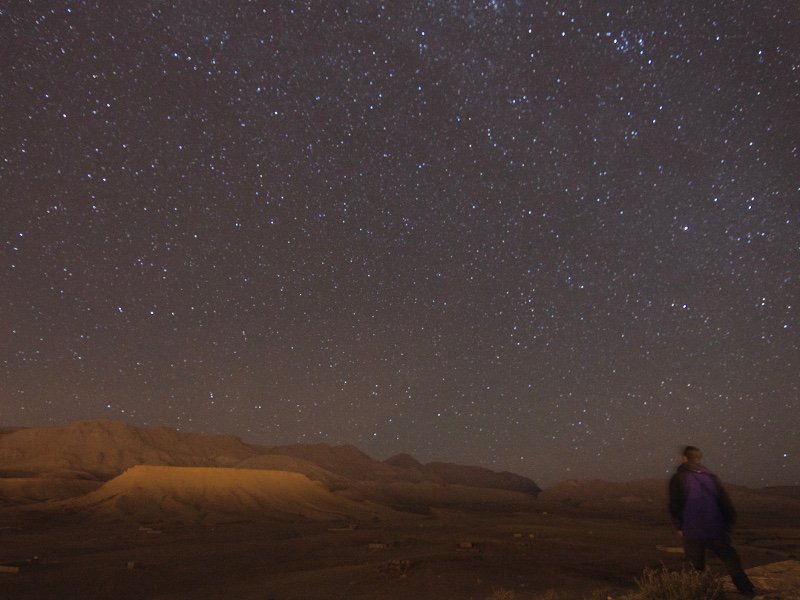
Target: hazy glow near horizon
point(560, 242)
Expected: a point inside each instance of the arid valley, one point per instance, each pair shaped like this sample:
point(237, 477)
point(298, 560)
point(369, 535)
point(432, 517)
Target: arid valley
point(105, 510)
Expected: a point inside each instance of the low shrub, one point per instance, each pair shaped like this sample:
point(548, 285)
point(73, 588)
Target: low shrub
point(686, 584)
point(502, 594)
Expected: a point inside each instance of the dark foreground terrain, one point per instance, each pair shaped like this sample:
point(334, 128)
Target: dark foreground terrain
point(560, 548)
point(104, 510)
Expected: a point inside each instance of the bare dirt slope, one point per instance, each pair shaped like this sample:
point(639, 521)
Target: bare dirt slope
point(201, 495)
point(101, 450)
point(30, 490)
point(78, 520)
point(453, 554)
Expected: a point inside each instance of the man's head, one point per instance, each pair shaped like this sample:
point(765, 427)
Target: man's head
point(691, 455)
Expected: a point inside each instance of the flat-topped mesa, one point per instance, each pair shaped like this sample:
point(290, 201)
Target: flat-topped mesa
point(214, 495)
point(102, 449)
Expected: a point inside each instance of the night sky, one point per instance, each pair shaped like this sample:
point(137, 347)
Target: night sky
point(555, 238)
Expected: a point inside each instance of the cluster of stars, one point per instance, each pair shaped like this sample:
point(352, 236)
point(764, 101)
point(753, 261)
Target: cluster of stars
point(557, 240)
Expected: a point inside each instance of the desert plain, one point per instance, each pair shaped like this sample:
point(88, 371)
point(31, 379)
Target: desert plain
point(104, 510)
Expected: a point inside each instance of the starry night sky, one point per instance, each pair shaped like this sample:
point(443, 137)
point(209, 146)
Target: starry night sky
point(555, 238)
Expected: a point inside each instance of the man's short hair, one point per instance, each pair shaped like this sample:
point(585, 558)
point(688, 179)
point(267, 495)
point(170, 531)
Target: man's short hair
point(692, 453)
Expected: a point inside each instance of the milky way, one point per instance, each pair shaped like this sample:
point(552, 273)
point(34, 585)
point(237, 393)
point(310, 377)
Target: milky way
point(559, 239)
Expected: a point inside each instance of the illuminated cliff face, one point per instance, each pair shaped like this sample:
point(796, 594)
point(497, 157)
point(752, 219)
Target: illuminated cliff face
point(211, 495)
point(165, 469)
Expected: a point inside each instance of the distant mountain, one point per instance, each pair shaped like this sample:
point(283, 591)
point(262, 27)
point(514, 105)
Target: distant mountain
point(346, 461)
point(465, 475)
point(482, 478)
point(404, 461)
point(101, 450)
point(109, 469)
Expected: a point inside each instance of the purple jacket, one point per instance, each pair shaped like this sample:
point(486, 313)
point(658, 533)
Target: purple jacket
point(699, 505)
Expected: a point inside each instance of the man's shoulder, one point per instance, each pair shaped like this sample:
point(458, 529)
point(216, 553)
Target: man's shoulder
point(678, 479)
point(680, 473)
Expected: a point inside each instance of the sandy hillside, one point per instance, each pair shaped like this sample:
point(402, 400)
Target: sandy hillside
point(100, 450)
point(212, 495)
point(16, 491)
point(103, 449)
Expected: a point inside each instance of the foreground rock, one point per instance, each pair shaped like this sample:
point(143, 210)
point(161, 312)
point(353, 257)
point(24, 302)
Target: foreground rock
point(776, 581)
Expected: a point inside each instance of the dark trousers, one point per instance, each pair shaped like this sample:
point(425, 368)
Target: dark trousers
point(695, 551)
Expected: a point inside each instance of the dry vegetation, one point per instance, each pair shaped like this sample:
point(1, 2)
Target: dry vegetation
point(310, 530)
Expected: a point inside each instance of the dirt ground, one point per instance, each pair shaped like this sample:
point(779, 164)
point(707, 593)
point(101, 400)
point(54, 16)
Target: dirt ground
point(444, 555)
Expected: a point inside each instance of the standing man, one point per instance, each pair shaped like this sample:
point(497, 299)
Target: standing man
point(703, 514)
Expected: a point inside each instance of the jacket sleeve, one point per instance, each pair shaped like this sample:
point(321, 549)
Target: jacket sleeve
point(726, 505)
point(676, 501)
